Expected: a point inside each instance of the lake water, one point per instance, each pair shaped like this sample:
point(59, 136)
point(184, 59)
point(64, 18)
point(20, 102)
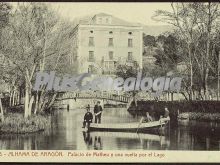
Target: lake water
point(66, 134)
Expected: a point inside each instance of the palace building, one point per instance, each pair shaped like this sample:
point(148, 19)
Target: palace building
point(103, 41)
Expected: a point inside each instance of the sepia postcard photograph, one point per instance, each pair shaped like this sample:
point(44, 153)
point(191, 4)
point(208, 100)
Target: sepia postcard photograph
point(107, 81)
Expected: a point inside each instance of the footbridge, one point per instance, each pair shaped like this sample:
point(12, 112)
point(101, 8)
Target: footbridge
point(123, 98)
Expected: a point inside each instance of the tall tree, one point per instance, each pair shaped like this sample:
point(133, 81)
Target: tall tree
point(194, 24)
point(168, 54)
point(5, 9)
point(35, 40)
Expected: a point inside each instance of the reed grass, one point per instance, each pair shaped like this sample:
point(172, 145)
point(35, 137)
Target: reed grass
point(17, 123)
point(200, 116)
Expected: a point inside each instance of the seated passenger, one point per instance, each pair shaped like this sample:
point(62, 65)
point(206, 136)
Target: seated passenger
point(147, 118)
point(87, 118)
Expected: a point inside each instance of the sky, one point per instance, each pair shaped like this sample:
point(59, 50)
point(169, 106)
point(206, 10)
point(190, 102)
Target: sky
point(132, 12)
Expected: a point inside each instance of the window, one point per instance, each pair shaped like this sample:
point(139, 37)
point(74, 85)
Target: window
point(100, 20)
point(130, 33)
point(91, 31)
point(110, 42)
point(130, 56)
point(106, 20)
point(91, 41)
point(91, 69)
point(110, 32)
point(91, 56)
point(130, 44)
point(110, 55)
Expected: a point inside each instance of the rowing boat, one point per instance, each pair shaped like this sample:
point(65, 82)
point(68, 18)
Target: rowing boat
point(130, 127)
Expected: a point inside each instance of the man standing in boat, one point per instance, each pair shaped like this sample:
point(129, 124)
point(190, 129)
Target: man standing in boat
point(98, 112)
point(87, 117)
point(166, 112)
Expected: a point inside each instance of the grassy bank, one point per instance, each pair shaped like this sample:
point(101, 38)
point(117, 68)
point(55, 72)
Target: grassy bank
point(16, 123)
point(199, 116)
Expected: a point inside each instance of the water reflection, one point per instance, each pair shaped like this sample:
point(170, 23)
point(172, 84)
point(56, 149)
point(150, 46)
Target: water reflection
point(66, 134)
point(97, 143)
point(94, 140)
point(20, 142)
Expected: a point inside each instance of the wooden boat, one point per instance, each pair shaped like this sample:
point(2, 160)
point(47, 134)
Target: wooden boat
point(129, 127)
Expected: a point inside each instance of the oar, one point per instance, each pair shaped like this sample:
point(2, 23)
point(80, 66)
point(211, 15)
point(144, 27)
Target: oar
point(139, 124)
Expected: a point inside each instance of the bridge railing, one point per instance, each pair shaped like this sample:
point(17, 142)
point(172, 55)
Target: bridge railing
point(97, 95)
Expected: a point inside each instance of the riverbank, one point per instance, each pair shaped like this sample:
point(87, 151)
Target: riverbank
point(199, 116)
point(198, 110)
point(16, 123)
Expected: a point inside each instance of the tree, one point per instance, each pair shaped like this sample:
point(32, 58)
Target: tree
point(160, 39)
point(195, 25)
point(35, 40)
point(5, 9)
point(149, 40)
point(128, 70)
point(125, 70)
point(168, 54)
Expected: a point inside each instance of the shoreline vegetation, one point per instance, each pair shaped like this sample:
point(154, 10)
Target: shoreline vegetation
point(16, 123)
point(181, 110)
point(200, 116)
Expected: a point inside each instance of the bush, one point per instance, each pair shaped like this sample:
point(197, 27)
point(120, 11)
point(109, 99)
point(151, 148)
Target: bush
point(199, 116)
point(16, 123)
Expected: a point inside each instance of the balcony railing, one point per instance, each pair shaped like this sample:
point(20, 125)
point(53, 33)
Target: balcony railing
point(108, 71)
point(92, 71)
point(106, 60)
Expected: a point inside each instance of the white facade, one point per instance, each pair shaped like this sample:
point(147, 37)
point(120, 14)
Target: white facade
point(103, 43)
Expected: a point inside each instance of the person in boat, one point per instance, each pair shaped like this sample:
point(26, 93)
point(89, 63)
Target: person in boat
point(87, 117)
point(166, 112)
point(98, 112)
point(88, 106)
point(147, 118)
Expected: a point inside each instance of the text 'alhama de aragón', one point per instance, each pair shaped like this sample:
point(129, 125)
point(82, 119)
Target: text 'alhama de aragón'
point(36, 153)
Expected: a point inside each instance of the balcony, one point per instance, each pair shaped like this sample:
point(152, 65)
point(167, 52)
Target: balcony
point(108, 72)
point(109, 67)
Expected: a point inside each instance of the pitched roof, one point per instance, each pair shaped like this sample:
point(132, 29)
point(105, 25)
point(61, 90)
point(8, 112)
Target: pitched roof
point(115, 21)
point(102, 14)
